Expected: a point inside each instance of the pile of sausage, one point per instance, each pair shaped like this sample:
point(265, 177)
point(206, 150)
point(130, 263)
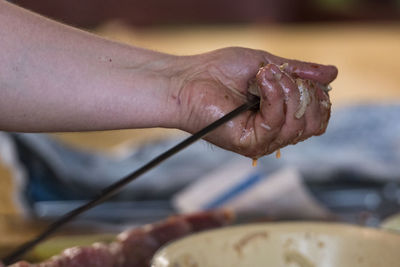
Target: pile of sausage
point(135, 247)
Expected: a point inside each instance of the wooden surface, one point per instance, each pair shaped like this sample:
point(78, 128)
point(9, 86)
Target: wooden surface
point(368, 58)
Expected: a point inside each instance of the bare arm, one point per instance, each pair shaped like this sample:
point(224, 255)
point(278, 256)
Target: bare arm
point(57, 78)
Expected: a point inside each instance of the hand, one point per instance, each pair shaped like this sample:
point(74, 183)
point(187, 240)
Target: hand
point(294, 103)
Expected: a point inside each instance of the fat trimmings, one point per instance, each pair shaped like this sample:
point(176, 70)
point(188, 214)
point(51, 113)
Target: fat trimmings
point(284, 66)
point(253, 88)
point(278, 153)
point(304, 99)
point(254, 163)
point(325, 88)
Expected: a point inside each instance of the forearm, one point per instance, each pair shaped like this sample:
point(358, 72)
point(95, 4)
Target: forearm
point(56, 78)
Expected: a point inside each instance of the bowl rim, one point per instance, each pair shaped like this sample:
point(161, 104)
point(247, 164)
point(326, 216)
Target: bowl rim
point(342, 227)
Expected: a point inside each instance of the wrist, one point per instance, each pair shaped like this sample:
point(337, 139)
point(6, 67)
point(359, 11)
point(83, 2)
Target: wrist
point(182, 73)
point(155, 84)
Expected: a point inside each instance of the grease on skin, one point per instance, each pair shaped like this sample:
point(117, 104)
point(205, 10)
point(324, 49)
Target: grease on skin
point(300, 133)
point(325, 88)
point(253, 88)
point(263, 82)
point(254, 162)
point(278, 153)
point(326, 104)
point(217, 113)
point(284, 66)
point(278, 76)
point(265, 126)
point(245, 134)
point(304, 98)
point(286, 91)
point(306, 88)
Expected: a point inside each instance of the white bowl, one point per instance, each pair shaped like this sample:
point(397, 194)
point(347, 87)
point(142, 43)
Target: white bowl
point(284, 245)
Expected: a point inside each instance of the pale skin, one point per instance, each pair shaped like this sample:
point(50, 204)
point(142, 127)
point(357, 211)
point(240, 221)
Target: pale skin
point(57, 78)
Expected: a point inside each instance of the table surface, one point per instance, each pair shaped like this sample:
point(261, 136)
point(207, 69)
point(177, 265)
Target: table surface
point(367, 57)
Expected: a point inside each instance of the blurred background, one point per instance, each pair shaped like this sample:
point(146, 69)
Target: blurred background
point(92, 13)
point(350, 174)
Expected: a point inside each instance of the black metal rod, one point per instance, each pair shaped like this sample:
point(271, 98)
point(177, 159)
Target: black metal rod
point(117, 186)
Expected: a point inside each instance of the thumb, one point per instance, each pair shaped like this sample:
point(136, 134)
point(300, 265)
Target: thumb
point(323, 74)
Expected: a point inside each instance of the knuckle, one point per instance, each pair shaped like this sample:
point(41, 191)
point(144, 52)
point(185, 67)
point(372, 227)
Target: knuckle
point(279, 123)
point(323, 127)
point(315, 128)
point(293, 131)
point(273, 146)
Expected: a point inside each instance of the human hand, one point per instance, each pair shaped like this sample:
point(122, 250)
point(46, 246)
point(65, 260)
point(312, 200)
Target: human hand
point(294, 102)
